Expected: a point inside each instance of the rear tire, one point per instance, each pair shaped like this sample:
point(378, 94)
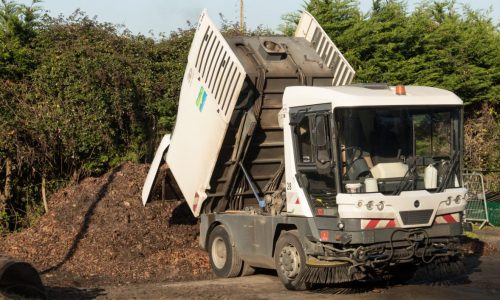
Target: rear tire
point(290, 260)
point(224, 258)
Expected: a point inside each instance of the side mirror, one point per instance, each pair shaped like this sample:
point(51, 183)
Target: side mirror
point(296, 118)
point(320, 139)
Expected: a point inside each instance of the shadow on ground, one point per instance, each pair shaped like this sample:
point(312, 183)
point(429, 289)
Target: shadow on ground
point(182, 215)
point(86, 223)
point(57, 293)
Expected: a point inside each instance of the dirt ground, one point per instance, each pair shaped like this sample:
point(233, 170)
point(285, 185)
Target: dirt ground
point(480, 282)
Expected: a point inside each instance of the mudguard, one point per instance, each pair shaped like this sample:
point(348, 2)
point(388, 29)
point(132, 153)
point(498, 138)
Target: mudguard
point(155, 166)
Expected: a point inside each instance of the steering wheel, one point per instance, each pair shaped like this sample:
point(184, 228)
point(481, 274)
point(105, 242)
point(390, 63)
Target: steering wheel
point(356, 154)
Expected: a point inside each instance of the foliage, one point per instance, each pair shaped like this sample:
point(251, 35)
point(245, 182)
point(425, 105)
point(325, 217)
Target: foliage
point(482, 136)
point(17, 28)
point(4, 222)
point(291, 20)
point(336, 17)
point(78, 97)
point(115, 85)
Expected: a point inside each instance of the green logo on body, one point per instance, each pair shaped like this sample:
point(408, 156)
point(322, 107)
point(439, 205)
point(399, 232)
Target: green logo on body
point(202, 97)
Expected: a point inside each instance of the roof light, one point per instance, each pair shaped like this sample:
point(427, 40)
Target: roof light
point(400, 90)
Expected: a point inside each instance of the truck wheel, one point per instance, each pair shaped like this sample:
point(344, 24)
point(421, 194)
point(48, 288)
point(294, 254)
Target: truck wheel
point(290, 259)
point(224, 258)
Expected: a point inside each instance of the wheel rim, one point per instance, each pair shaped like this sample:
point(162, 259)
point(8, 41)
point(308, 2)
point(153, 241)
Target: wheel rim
point(219, 253)
point(289, 261)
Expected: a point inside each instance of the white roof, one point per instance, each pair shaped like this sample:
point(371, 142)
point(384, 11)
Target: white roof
point(349, 96)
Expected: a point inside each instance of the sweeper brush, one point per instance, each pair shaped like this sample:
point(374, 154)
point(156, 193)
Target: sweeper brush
point(328, 272)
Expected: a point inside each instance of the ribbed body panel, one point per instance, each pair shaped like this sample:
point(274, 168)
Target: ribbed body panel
point(295, 63)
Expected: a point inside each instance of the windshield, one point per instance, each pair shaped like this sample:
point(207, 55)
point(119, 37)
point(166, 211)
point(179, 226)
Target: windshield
point(394, 149)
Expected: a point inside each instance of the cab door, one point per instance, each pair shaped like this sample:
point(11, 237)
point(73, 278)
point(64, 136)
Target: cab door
point(312, 139)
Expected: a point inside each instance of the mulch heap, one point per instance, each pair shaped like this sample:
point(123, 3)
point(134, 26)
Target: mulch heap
point(98, 232)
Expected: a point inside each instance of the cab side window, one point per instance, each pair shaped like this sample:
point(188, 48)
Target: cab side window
point(304, 147)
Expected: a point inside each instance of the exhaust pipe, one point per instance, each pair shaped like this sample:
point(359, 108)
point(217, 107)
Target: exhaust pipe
point(20, 278)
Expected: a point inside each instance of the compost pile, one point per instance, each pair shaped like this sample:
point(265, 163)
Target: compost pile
point(98, 232)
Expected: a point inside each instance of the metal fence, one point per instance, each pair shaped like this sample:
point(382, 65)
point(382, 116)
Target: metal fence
point(476, 209)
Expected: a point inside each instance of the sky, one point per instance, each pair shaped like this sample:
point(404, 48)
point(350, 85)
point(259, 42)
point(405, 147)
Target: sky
point(156, 16)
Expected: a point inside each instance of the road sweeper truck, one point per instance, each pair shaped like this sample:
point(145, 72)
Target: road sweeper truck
point(290, 167)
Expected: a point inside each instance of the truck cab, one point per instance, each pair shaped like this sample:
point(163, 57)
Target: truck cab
point(368, 153)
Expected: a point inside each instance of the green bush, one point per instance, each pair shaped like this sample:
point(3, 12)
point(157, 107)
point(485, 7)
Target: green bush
point(78, 97)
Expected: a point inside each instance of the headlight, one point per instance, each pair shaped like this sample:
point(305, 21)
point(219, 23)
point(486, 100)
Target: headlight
point(369, 205)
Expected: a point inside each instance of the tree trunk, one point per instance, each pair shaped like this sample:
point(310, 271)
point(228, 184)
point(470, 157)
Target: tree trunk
point(6, 194)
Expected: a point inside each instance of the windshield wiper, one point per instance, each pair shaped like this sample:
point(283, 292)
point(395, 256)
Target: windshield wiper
point(410, 174)
point(453, 164)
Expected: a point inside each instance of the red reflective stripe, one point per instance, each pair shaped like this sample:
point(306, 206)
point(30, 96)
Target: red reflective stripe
point(391, 224)
point(449, 218)
point(372, 224)
point(195, 201)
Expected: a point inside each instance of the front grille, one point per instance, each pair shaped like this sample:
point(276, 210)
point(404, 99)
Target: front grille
point(416, 217)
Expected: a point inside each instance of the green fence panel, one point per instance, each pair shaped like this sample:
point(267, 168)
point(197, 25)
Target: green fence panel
point(476, 209)
point(494, 213)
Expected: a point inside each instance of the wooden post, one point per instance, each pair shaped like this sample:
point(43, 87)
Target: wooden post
point(44, 198)
point(242, 16)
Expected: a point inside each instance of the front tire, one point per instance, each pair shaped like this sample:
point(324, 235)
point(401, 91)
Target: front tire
point(224, 258)
point(290, 261)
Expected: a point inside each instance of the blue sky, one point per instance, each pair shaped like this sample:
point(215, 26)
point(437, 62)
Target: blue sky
point(168, 15)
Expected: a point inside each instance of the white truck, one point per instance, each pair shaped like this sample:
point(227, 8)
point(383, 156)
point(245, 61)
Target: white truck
point(289, 167)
